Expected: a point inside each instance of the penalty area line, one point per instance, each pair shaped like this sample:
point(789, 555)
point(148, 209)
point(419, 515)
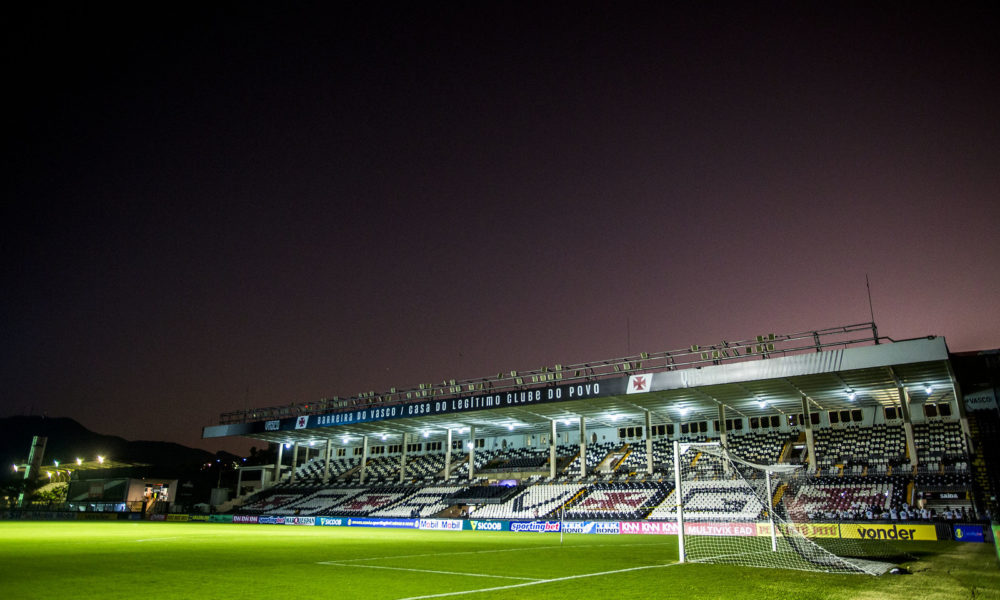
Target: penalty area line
point(338, 564)
point(537, 582)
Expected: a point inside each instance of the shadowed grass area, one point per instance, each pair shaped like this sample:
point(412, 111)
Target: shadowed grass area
point(189, 560)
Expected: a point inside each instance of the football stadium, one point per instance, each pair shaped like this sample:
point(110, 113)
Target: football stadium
point(834, 463)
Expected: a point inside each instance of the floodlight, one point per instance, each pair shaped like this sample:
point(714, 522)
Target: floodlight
point(383, 437)
point(49, 473)
point(852, 395)
point(15, 468)
point(427, 434)
point(288, 444)
point(100, 459)
point(79, 461)
point(510, 427)
point(469, 445)
point(929, 388)
point(684, 410)
point(312, 442)
point(761, 403)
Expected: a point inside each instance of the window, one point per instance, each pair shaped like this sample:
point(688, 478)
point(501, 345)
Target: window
point(754, 423)
point(930, 410)
point(891, 413)
point(341, 451)
point(738, 424)
point(703, 426)
point(944, 409)
point(685, 428)
point(622, 432)
point(670, 429)
point(856, 415)
point(845, 416)
point(775, 421)
point(834, 417)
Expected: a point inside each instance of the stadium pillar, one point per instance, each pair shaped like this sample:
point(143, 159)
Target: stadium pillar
point(326, 463)
point(649, 442)
point(402, 462)
point(722, 425)
point(277, 463)
point(583, 447)
point(552, 449)
point(447, 458)
point(722, 435)
point(295, 462)
point(810, 441)
point(364, 459)
point(904, 403)
point(472, 452)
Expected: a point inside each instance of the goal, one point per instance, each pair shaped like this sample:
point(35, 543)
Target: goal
point(734, 512)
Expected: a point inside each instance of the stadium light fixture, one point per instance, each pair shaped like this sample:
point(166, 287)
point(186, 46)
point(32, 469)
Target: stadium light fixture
point(344, 439)
point(56, 462)
point(761, 402)
point(383, 437)
point(510, 427)
point(288, 445)
point(312, 442)
point(852, 395)
point(49, 473)
point(683, 410)
point(427, 434)
point(100, 459)
point(929, 388)
point(79, 461)
point(15, 468)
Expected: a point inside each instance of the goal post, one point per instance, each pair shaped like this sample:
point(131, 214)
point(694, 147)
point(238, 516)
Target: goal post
point(732, 511)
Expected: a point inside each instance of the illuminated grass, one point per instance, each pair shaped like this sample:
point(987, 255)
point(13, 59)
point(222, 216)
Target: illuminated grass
point(202, 560)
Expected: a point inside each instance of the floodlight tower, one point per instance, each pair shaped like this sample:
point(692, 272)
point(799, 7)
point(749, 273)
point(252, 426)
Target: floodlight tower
point(35, 457)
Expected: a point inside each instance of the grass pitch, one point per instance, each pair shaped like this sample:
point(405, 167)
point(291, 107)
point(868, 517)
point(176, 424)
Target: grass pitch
point(206, 560)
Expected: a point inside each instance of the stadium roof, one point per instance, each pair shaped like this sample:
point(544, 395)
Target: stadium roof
point(833, 369)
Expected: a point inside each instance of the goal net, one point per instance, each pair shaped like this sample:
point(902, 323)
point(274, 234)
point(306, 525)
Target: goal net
point(735, 512)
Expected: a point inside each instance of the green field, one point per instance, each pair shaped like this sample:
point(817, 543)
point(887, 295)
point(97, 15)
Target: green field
point(202, 560)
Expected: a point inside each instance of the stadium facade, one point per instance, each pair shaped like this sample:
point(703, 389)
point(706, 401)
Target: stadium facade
point(804, 393)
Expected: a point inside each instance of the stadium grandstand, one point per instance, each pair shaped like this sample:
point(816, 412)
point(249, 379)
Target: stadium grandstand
point(871, 429)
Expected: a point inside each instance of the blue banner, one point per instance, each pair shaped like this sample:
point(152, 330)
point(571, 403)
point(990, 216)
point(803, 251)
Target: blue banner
point(969, 533)
point(536, 526)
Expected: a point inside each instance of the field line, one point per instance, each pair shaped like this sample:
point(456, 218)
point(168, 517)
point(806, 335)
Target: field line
point(537, 582)
point(518, 549)
point(338, 564)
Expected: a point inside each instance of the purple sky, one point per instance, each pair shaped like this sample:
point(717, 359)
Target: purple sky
point(252, 206)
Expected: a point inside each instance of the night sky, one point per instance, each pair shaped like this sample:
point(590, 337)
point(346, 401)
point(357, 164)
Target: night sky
point(214, 207)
